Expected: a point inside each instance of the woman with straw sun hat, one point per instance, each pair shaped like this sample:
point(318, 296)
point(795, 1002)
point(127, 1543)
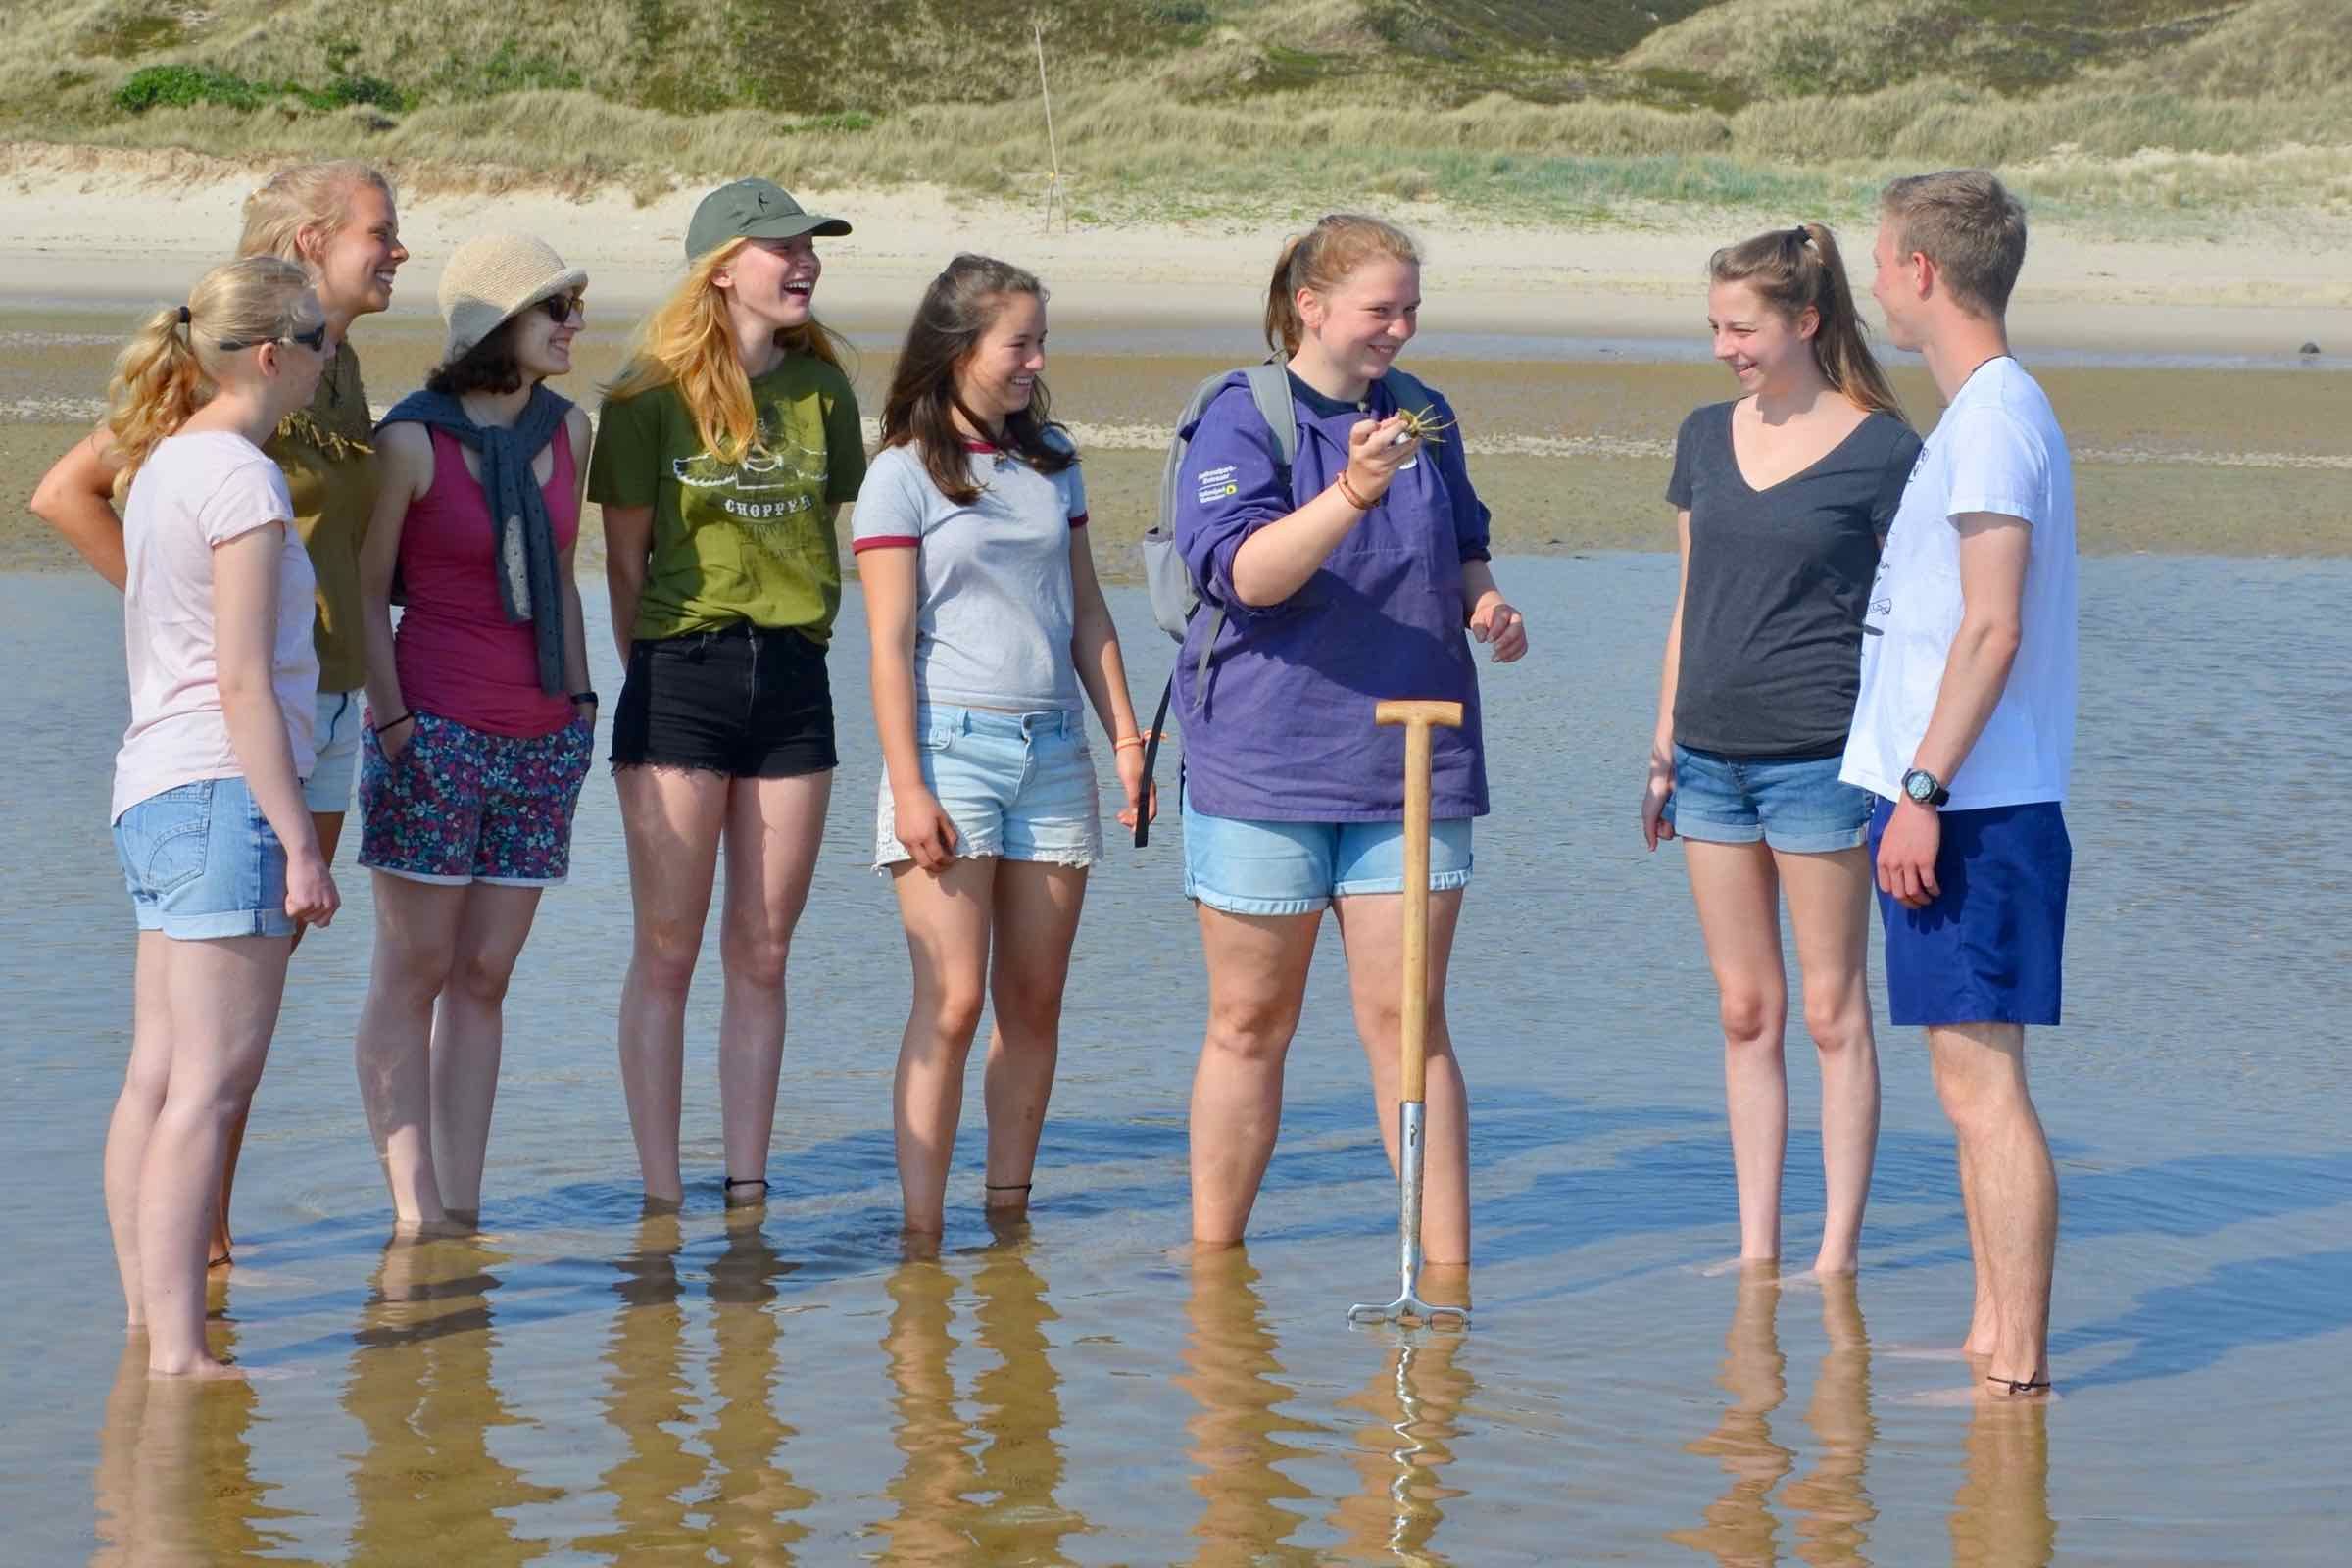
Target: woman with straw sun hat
point(724, 451)
point(481, 721)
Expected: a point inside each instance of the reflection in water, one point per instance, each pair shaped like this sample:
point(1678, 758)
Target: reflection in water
point(1833, 1507)
point(1739, 1531)
point(734, 1507)
point(752, 1497)
point(1415, 1397)
point(981, 1492)
point(1238, 1435)
point(175, 1483)
point(426, 1484)
point(2001, 1513)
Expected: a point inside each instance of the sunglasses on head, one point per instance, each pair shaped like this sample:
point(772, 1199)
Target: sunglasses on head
point(564, 309)
point(313, 339)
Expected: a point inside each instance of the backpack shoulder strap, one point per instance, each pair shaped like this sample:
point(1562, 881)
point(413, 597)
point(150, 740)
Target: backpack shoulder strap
point(1270, 388)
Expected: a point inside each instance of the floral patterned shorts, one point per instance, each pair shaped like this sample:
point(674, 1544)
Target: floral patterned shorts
point(460, 805)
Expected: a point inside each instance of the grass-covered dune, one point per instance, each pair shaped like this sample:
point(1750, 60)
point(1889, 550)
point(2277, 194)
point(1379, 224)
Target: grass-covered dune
point(1544, 109)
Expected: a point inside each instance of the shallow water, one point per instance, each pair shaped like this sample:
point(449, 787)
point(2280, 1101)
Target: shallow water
point(583, 1385)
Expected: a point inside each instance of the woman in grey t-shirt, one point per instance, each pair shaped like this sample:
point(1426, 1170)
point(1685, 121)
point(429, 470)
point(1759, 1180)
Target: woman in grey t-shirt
point(989, 630)
point(1782, 497)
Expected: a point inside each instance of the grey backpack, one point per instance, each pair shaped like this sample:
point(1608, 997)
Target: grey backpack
point(1166, 578)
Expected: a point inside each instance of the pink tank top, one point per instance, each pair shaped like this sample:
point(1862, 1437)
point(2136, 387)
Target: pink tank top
point(457, 654)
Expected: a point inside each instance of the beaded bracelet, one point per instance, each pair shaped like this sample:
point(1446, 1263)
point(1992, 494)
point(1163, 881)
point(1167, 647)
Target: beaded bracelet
point(1347, 493)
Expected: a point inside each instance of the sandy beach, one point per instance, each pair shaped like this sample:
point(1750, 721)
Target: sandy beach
point(89, 224)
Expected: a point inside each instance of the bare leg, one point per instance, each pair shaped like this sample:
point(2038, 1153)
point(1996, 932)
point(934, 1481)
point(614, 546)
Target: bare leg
point(671, 819)
point(223, 998)
point(1737, 888)
point(947, 915)
point(1982, 1328)
point(1037, 909)
point(1372, 925)
point(416, 943)
point(1828, 905)
point(328, 825)
point(145, 1080)
point(773, 828)
point(469, 1034)
point(1256, 982)
point(1981, 1078)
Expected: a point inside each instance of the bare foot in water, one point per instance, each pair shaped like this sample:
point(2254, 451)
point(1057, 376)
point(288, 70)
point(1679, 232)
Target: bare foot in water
point(1736, 1265)
point(199, 1367)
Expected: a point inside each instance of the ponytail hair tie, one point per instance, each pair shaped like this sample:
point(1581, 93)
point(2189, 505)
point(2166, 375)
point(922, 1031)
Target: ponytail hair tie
point(1802, 235)
point(183, 316)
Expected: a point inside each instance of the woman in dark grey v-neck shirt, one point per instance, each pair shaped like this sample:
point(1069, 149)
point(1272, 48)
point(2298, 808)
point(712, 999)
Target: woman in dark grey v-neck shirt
point(1782, 497)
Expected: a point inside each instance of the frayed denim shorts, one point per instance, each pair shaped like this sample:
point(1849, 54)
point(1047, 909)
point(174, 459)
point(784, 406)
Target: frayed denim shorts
point(1796, 804)
point(1018, 786)
point(1246, 867)
point(202, 863)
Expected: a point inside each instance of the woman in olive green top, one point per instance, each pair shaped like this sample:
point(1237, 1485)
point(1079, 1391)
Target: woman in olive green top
point(338, 220)
point(723, 455)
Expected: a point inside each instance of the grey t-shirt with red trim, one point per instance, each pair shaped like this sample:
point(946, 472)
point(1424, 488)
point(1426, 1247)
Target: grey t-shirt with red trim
point(994, 600)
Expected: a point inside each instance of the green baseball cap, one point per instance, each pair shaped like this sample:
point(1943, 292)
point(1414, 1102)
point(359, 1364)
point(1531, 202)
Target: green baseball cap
point(753, 209)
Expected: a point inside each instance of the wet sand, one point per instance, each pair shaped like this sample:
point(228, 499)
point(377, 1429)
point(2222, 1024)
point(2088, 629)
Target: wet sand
point(1570, 453)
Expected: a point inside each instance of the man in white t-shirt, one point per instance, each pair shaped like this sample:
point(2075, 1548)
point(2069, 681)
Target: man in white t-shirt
point(1965, 729)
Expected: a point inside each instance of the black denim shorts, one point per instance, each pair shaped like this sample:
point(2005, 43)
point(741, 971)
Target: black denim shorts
point(750, 701)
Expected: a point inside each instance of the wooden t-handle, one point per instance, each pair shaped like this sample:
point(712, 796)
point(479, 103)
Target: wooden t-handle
point(1417, 716)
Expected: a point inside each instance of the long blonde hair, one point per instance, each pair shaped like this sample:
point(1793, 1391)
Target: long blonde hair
point(1793, 270)
point(1321, 259)
point(689, 341)
point(170, 369)
point(313, 198)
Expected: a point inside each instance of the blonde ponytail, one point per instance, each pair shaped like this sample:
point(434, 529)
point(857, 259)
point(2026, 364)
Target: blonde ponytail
point(170, 369)
point(1320, 260)
point(1797, 270)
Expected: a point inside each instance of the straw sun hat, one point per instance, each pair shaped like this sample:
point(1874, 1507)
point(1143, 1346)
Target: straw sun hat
point(490, 281)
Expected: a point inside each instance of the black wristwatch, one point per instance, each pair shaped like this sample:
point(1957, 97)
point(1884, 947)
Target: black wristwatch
point(587, 696)
point(1923, 788)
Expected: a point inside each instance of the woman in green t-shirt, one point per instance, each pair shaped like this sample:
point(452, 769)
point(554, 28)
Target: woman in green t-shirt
point(724, 453)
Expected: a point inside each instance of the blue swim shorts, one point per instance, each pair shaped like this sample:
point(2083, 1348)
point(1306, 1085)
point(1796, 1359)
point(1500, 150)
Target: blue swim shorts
point(1988, 949)
point(1245, 867)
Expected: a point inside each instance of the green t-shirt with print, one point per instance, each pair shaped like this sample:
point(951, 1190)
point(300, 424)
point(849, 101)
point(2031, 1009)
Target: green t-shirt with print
point(744, 541)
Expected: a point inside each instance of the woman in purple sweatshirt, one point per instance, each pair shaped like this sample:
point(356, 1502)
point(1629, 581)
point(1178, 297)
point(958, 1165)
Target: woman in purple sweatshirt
point(1346, 577)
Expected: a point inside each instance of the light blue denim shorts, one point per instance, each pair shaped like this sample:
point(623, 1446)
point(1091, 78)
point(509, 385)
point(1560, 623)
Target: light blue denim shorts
point(202, 863)
point(337, 735)
point(1245, 866)
point(1794, 804)
point(1018, 786)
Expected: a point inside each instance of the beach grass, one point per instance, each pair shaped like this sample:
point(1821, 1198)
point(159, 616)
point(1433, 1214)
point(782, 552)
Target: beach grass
point(1545, 110)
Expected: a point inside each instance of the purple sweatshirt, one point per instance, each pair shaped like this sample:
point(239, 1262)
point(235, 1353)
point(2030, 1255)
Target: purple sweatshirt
point(1286, 731)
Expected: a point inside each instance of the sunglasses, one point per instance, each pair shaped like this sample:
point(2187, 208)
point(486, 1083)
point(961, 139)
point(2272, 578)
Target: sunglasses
point(313, 339)
point(564, 309)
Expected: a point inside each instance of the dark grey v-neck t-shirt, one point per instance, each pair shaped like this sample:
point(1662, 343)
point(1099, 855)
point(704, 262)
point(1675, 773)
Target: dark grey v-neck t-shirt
point(1772, 610)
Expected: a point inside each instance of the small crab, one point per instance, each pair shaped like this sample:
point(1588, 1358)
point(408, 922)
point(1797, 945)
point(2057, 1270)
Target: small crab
point(1423, 423)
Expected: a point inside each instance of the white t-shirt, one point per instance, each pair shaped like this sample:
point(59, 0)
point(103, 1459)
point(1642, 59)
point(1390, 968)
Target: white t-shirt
point(994, 599)
point(1997, 449)
point(192, 493)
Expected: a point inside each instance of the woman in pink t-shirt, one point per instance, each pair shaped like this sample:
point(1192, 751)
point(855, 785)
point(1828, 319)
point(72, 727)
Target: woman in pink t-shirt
point(218, 849)
point(481, 721)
